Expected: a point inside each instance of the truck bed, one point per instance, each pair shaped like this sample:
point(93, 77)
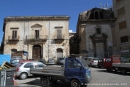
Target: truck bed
point(127, 65)
point(49, 71)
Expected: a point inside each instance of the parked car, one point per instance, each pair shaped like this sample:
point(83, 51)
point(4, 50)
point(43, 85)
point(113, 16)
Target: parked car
point(16, 60)
point(51, 61)
point(91, 61)
point(61, 61)
point(100, 63)
point(43, 61)
point(23, 69)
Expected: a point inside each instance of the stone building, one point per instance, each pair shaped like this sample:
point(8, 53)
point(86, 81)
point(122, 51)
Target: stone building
point(95, 32)
point(36, 36)
point(122, 26)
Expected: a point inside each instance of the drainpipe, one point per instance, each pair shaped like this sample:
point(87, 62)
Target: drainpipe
point(49, 40)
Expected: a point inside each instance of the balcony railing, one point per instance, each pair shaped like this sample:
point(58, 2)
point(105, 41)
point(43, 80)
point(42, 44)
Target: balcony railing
point(10, 38)
point(33, 38)
point(59, 37)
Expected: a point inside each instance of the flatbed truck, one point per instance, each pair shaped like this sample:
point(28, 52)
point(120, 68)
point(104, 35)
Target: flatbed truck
point(75, 71)
point(114, 63)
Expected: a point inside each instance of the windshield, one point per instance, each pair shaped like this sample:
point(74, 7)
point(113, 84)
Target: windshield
point(14, 61)
point(83, 62)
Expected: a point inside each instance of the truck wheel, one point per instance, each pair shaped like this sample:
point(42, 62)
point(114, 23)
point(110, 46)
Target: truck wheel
point(45, 82)
point(23, 76)
point(75, 83)
point(123, 71)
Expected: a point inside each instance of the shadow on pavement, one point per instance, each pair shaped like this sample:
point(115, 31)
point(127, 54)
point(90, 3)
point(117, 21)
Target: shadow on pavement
point(56, 84)
point(113, 72)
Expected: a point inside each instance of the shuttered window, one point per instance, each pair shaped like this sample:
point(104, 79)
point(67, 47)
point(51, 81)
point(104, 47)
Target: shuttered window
point(121, 11)
point(14, 34)
point(37, 34)
point(122, 25)
point(59, 33)
point(124, 39)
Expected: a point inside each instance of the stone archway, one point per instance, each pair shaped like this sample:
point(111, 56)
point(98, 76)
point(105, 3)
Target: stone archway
point(59, 52)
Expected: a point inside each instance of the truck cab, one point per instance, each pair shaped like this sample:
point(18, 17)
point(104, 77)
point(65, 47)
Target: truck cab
point(76, 70)
point(109, 61)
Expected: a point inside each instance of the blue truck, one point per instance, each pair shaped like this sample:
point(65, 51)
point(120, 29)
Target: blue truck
point(4, 57)
point(75, 71)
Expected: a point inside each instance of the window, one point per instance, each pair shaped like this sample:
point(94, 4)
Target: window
point(14, 34)
point(39, 65)
point(28, 65)
point(124, 39)
point(59, 33)
point(37, 34)
point(73, 64)
point(121, 11)
point(98, 31)
point(122, 25)
point(97, 15)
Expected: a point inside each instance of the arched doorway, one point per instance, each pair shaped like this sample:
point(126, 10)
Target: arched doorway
point(36, 52)
point(59, 53)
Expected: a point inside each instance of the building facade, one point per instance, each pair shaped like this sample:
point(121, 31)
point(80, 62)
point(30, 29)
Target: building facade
point(95, 32)
point(122, 25)
point(37, 36)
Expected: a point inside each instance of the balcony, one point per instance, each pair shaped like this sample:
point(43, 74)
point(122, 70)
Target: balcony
point(10, 38)
point(34, 39)
point(59, 39)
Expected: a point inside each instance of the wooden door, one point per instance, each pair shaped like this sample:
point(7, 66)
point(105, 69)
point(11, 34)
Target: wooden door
point(36, 54)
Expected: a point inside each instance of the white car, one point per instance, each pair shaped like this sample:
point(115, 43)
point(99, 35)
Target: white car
point(91, 61)
point(23, 69)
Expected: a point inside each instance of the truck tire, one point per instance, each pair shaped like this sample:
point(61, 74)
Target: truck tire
point(75, 83)
point(23, 76)
point(45, 82)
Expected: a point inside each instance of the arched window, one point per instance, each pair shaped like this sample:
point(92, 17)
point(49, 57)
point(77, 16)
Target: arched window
point(59, 52)
point(97, 14)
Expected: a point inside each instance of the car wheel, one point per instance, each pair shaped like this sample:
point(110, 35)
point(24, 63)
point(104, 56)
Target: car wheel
point(23, 76)
point(75, 83)
point(45, 82)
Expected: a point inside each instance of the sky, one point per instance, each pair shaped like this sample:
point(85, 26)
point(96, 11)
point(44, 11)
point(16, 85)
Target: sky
point(71, 8)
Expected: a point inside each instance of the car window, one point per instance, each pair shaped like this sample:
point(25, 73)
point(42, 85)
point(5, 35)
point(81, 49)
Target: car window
point(39, 65)
point(89, 59)
point(95, 59)
point(61, 58)
point(14, 61)
point(28, 65)
point(73, 64)
point(19, 64)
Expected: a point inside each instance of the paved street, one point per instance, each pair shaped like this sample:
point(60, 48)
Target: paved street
point(100, 78)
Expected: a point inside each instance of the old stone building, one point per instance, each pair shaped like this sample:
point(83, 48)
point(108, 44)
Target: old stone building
point(95, 32)
point(36, 36)
point(122, 26)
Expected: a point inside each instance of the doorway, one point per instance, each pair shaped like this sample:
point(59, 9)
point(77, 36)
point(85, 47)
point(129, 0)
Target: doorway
point(36, 52)
point(59, 53)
